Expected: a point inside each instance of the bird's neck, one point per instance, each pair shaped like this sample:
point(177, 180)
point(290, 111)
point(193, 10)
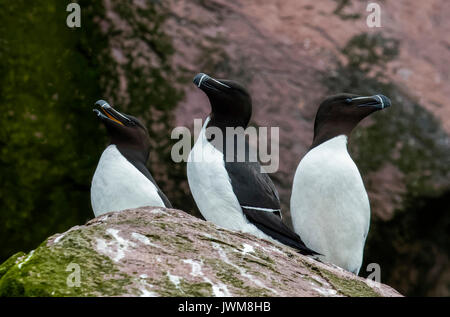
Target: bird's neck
point(224, 139)
point(218, 125)
point(331, 131)
point(337, 144)
point(222, 122)
point(133, 155)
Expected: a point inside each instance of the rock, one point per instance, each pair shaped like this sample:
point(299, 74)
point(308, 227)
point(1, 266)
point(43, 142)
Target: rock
point(166, 252)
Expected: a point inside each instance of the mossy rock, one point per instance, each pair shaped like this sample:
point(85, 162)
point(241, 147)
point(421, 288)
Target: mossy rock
point(130, 253)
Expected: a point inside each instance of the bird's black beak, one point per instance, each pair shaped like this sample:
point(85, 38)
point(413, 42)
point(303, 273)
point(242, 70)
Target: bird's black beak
point(205, 82)
point(110, 114)
point(377, 101)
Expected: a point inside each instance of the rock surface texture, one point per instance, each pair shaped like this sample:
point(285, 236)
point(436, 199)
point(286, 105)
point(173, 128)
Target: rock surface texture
point(166, 252)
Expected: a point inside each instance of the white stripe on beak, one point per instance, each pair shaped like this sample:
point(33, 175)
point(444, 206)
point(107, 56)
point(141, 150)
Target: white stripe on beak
point(381, 100)
point(219, 83)
point(201, 79)
point(107, 106)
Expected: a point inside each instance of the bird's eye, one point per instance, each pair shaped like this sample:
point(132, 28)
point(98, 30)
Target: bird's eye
point(348, 100)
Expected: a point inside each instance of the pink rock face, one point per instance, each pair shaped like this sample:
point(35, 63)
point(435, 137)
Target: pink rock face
point(167, 252)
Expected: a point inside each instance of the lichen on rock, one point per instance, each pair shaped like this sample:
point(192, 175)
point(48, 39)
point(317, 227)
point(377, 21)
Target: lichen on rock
point(166, 252)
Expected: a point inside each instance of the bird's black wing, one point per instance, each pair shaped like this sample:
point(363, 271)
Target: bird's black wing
point(160, 192)
point(259, 201)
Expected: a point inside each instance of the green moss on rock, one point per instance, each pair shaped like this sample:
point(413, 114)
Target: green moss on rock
point(45, 272)
point(10, 262)
point(167, 289)
point(348, 287)
point(182, 263)
point(344, 286)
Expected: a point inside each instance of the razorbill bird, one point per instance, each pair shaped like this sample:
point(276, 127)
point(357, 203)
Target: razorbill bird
point(122, 180)
point(232, 194)
point(329, 204)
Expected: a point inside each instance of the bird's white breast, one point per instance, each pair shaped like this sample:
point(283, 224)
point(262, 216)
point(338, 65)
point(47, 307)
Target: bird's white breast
point(118, 185)
point(212, 190)
point(329, 205)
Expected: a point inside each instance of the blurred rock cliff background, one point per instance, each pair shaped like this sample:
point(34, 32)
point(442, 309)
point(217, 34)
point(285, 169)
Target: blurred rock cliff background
point(141, 56)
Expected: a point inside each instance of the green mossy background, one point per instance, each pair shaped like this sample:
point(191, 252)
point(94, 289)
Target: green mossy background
point(50, 141)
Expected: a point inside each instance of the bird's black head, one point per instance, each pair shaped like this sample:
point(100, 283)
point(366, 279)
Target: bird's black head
point(339, 114)
point(125, 131)
point(231, 104)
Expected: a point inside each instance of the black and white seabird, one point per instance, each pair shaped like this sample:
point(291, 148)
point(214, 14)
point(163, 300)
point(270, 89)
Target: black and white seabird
point(122, 180)
point(329, 204)
point(234, 195)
